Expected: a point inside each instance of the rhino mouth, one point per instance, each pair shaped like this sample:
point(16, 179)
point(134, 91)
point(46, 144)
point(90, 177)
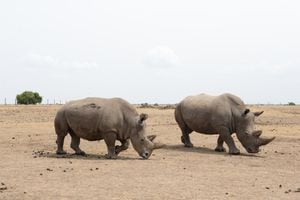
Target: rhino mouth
point(145, 155)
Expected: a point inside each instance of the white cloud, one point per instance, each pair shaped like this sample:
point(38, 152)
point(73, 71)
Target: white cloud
point(161, 57)
point(34, 60)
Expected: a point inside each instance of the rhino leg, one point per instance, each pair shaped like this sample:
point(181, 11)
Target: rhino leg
point(123, 147)
point(110, 140)
point(226, 136)
point(61, 130)
point(220, 147)
point(75, 142)
point(185, 138)
point(60, 144)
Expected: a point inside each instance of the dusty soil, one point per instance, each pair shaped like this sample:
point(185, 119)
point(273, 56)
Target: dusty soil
point(29, 168)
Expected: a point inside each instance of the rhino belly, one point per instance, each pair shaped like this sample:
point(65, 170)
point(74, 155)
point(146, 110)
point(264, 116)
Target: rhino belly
point(88, 135)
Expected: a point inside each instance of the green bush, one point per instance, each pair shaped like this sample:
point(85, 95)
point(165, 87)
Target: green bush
point(29, 97)
point(291, 104)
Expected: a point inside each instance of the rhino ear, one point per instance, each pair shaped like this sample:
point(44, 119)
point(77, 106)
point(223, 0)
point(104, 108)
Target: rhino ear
point(151, 137)
point(256, 114)
point(143, 117)
point(246, 112)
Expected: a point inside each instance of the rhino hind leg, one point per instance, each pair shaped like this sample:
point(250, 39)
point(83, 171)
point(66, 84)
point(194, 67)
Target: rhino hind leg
point(75, 142)
point(61, 134)
point(185, 138)
point(60, 144)
point(220, 147)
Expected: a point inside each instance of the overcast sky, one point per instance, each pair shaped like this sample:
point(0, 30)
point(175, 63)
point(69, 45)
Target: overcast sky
point(150, 51)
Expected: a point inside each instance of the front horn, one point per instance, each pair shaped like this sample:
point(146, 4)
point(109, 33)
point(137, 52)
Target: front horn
point(264, 141)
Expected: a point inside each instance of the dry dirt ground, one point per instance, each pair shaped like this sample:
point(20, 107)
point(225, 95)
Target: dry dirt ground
point(29, 168)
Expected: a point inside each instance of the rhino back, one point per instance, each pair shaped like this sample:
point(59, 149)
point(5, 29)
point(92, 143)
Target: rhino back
point(90, 118)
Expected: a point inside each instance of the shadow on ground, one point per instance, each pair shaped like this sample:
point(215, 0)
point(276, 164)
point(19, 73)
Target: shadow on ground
point(79, 157)
point(204, 150)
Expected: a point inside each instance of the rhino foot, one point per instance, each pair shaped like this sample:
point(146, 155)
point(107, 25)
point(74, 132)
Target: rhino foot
point(80, 153)
point(234, 152)
point(186, 143)
point(62, 152)
point(220, 149)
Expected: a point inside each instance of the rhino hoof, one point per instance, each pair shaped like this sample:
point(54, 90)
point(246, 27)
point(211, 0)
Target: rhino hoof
point(236, 152)
point(220, 149)
point(61, 152)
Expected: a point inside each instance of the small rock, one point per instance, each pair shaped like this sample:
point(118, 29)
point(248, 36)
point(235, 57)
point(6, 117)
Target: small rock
point(184, 168)
point(2, 184)
point(267, 188)
point(280, 186)
point(97, 168)
point(41, 174)
point(13, 138)
point(226, 193)
point(64, 170)
point(91, 169)
point(3, 188)
point(50, 170)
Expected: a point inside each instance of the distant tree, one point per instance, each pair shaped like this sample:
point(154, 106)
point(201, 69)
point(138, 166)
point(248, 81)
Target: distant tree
point(291, 104)
point(29, 97)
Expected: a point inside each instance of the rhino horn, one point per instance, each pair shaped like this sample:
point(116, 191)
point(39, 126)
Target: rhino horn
point(257, 133)
point(256, 114)
point(264, 141)
point(151, 137)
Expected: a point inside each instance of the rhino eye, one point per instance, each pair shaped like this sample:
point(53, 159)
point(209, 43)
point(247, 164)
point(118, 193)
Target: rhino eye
point(142, 140)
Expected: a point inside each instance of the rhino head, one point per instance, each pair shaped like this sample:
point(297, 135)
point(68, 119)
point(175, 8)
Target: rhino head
point(143, 144)
point(247, 135)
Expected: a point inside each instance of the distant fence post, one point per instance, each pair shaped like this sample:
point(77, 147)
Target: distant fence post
point(4, 101)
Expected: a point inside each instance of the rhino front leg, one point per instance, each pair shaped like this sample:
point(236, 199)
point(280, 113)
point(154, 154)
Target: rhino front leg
point(226, 136)
point(220, 147)
point(110, 140)
point(75, 145)
point(123, 147)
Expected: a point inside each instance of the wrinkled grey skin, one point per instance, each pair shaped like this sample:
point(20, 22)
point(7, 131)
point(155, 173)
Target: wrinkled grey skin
point(103, 119)
point(224, 115)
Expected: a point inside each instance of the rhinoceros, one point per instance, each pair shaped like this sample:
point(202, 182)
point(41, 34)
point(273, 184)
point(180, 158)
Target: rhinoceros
point(224, 115)
point(108, 119)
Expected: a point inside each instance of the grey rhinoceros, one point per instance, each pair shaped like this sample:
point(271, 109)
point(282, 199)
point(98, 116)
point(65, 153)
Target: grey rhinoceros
point(224, 115)
point(108, 119)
